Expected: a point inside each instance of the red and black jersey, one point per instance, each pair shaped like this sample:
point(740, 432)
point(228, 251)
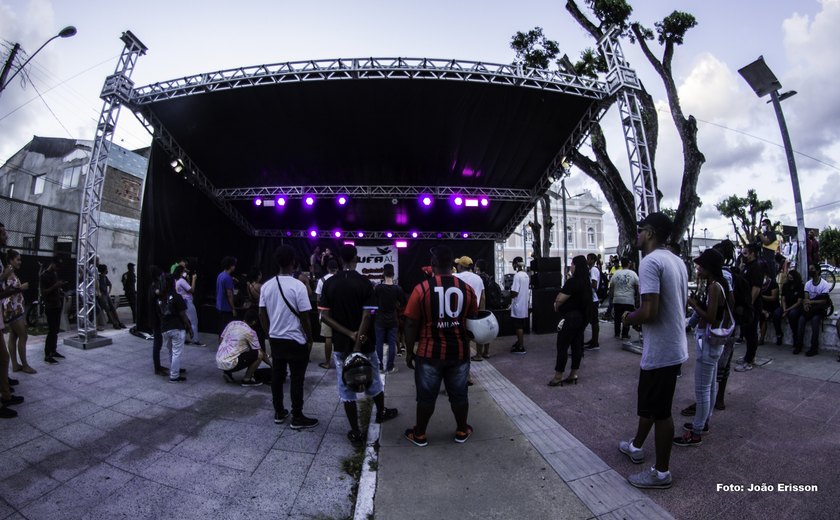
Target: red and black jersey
point(441, 305)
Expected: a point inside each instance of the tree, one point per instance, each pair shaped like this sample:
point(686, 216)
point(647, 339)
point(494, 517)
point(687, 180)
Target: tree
point(830, 244)
point(670, 33)
point(745, 213)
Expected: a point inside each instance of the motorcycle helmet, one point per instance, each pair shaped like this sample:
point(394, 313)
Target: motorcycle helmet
point(483, 328)
point(357, 372)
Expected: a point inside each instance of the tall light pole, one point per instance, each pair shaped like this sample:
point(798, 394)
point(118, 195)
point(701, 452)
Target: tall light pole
point(67, 32)
point(762, 80)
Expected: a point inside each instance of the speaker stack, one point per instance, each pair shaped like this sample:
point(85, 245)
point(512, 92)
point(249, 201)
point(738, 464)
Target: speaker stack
point(547, 281)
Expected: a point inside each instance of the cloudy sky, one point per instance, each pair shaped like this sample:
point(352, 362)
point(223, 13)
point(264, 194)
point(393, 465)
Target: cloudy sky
point(738, 132)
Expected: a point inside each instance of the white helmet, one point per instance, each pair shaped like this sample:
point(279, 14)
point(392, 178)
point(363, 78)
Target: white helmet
point(483, 328)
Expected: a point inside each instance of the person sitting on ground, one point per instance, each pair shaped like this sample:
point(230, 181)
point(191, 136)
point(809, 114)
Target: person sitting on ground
point(240, 349)
point(814, 306)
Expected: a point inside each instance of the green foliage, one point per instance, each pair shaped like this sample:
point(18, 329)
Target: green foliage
point(611, 12)
point(830, 244)
point(669, 212)
point(674, 26)
point(533, 49)
point(591, 63)
point(744, 213)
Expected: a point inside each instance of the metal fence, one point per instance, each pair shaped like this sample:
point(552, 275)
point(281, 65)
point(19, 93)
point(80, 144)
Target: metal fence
point(38, 230)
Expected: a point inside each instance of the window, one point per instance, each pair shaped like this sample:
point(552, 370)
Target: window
point(11, 190)
point(570, 236)
point(590, 237)
point(38, 183)
point(70, 177)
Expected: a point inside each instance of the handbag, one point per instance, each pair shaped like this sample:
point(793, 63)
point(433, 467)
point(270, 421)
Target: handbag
point(717, 337)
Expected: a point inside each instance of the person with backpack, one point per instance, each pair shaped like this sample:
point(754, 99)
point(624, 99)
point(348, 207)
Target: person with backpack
point(175, 327)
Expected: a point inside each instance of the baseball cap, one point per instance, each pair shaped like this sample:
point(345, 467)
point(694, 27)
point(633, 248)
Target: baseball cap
point(464, 261)
point(710, 260)
point(660, 223)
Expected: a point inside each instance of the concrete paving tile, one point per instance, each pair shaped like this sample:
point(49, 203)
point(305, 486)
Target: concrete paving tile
point(534, 422)
point(325, 493)
point(257, 441)
point(11, 464)
point(107, 419)
point(65, 465)
point(25, 486)
point(642, 510)
point(553, 440)
point(62, 503)
point(99, 481)
point(152, 395)
point(17, 432)
point(572, 464)
point(605, 492)
point(39, 448)
point(105, 399)
point(142, 410)
point(50, 421)
point(302, 441)
point(6, 510)
point(134, 458)
point(138, 499)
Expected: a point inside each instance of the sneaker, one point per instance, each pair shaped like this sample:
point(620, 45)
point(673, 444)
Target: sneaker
point(518, 350)
point(355, 437)
point(688, 439)
point(228, 377)
point(416, 439)
point(739, 341)
point(7, 413)
point(636, 455)
point(689, 410)
point(461, 437)
point(625, 337)
point(592, 346)
point(280, 416)
point(778, 340)
point(811, 353)
point(393, 370)
point(50, 361)
point(302, 422)
point(745, 367)
point(12, 401)
point(179, 379)
point(161, 371)
point(689, 427)
point(739, 361)
point(199, 344)
point(57, 355)
point(650, 479)
point(514, 347)
point(13, 382)
point(386, 414)
point(250, 382)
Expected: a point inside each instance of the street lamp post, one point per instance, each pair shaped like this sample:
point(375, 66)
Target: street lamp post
point(762, 80)
point(67, 32)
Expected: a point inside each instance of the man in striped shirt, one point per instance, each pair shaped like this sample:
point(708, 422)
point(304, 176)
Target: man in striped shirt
point(436, 314)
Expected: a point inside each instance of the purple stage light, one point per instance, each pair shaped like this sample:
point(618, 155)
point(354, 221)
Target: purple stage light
point(471, 203)
point(258, 201)
point(313, 233)
point(337, 234)
point(309, 200)
point(281, 201)
point(458, 200)
point(288, 233)
point(465, 235)
point(389, 234)
point(342, 200)
point(484, 202)
point(440, 235)
point(360, 234)
point(414, 234)
point(349, 243)
point(402, 244)
point(426, 200)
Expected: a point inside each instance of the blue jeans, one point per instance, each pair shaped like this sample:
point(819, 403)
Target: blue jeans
point(193, 316)
point(428, 373)
point(705, 375)
point(174, 341)
point(388, 334)
point(345, 394)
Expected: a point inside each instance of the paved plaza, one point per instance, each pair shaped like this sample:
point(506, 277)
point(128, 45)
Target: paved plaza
point(100, 436)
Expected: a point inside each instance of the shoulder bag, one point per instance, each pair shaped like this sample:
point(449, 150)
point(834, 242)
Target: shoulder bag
point(717, 337)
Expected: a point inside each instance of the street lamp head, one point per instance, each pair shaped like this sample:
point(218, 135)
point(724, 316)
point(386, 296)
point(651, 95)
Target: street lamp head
point(67, 32)
point(760, 78)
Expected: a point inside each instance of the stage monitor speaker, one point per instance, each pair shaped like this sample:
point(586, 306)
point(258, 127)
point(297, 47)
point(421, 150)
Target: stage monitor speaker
point(543, 318)
point(547, 263)
point(547, 279)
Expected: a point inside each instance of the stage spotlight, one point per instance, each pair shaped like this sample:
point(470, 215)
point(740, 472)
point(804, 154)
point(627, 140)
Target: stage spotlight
point(401, 244)
point(389, 234)
point(471, 203)
point(484, 202)
point(360, 234)
point(342, 200)
point(309, 200)
point(458, 200)
point(281, 201)
point(439, 236)
point(258, 201)
point(414, 234)
point(465, 235)
point(313, 233)
point(426, 200)
point(288, 233)
point(177, 165)
point(337, 234)
point(349, 243)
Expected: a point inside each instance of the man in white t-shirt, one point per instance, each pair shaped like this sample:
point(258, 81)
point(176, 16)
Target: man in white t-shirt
point(464, 266)
point(326, 330)
point(519, 292)
point(663, 282)
point(594, 280)
point(814, 306)
point(624, 288)
point(284, 313)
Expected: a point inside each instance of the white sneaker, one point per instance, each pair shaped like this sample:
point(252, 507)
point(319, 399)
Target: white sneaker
point(636, 455)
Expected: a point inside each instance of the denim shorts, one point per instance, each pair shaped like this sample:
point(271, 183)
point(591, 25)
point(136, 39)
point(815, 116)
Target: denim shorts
point(345, 394)
point(428, 373)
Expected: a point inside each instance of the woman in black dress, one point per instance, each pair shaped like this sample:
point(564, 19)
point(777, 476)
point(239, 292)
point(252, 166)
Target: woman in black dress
point(574, 303)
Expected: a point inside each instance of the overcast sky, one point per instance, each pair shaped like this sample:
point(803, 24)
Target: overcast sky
point(738, 132)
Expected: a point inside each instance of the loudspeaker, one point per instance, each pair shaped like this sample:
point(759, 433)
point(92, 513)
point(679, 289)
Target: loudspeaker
point(546, 279)
point(547, 263)
point(506, 327)
point(544, 319)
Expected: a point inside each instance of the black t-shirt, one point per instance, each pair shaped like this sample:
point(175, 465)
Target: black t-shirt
point(755, 276)
point(169, 311)
point(56, 299)
point(767, 290)
point(347, 294)
point(791, 292)
point(387, 298)
point(580, 295)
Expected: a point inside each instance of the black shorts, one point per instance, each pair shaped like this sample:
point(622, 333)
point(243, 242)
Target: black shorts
point(245, 359)
point(519, 323)
point(656, 392)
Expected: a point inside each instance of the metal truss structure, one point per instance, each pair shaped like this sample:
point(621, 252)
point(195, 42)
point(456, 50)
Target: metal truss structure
point(376, 192)
point(378, 235)
point(623, 82)
point(115, 92)
point(190, 171)
point(371, 68)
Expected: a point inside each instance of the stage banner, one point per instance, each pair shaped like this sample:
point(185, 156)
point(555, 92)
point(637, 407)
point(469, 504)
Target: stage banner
point(372, 260)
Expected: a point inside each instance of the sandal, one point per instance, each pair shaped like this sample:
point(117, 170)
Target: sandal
point(355, 437)
point(325, 365)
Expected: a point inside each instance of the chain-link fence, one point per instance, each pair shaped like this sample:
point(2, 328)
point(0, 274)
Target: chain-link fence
point(39, 230)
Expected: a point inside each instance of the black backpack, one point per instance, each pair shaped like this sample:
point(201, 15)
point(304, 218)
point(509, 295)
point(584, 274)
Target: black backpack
point(166, 308)
point(492, 293)
point(603, 286)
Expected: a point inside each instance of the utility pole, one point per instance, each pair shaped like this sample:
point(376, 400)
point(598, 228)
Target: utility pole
point(8, 66)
